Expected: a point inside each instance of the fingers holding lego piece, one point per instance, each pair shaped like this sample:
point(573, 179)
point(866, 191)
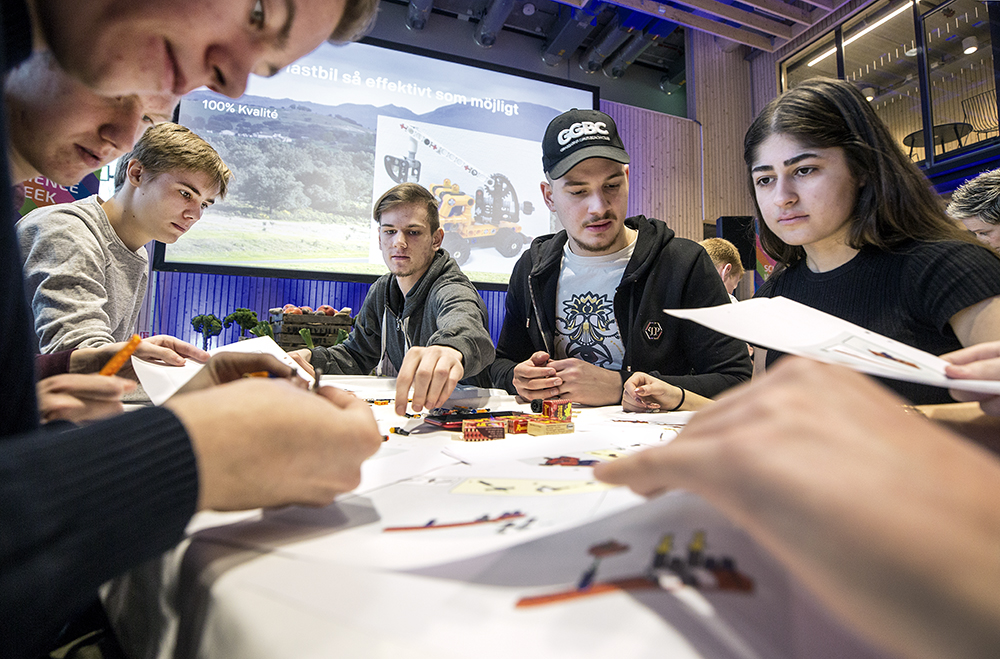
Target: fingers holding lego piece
point(583, 382)
point(535, 378)
point(432, 372)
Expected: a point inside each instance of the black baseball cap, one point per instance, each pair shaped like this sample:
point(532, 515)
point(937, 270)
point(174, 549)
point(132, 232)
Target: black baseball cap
point(576, 135)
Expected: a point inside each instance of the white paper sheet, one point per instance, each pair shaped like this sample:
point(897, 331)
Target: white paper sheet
point(161, 381)
point(474, 603)
point(782, 324)
point(448, 514)
point(655, 418)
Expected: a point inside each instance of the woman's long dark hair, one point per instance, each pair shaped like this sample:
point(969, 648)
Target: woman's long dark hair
point(895, 203)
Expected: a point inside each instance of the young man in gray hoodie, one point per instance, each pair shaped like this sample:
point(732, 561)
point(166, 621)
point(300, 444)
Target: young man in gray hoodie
point(85, 267)
point(424, 321)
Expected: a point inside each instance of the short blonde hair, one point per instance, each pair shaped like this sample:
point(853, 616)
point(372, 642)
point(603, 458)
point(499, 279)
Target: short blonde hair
point(722, 251)
point(170, 147)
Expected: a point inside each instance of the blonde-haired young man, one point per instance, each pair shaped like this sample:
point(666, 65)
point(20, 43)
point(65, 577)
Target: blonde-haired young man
point(84, 262)
point(727, 262)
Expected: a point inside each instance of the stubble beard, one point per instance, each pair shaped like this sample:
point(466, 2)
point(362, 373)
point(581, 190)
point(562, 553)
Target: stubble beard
point(605, 244)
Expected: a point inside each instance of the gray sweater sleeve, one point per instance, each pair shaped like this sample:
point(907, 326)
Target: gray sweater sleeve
point(82, 293)
point(462, 323)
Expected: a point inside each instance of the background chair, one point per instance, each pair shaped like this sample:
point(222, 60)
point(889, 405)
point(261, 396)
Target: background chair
point(981, 111)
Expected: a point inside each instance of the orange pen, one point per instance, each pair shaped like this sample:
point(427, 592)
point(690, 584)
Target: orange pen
point(115, 363)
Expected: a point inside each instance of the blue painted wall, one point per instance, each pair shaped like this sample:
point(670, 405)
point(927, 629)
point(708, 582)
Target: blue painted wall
point(175, 297)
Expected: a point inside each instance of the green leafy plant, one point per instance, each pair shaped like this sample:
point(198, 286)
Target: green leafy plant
point(307, 337)
point(263, 329)
point(208, 325)
point(246, 319)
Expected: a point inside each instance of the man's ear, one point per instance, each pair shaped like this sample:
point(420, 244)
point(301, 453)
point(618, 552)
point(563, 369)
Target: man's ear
point(726, 269)
point(547, 195)
point(134, 174)
point(437, 238)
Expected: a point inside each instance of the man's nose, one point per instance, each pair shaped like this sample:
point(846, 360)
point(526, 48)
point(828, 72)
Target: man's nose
point(124, 128)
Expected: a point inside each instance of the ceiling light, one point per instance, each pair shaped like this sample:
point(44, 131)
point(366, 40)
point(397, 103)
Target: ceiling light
point(969, 45)
point(869, 93)
point(862, 33)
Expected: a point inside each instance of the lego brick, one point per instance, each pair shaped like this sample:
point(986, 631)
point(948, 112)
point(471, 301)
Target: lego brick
point(550, 427)
point(560, 410)
point(483, 430)
point(517, 425)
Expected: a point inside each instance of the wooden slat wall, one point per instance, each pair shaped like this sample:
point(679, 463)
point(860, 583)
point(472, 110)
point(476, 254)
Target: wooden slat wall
point(665, 172)
point(721, 98)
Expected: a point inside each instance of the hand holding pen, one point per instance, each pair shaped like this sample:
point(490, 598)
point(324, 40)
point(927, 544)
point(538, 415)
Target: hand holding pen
point(229, 366)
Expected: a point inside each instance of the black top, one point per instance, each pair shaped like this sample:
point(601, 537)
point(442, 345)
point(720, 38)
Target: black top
point(909, 294)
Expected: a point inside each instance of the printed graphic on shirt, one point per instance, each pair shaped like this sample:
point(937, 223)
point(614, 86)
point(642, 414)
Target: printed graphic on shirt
point(588, 329)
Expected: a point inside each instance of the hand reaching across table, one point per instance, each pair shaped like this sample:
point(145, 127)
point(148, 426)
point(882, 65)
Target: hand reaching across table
point(889, 519)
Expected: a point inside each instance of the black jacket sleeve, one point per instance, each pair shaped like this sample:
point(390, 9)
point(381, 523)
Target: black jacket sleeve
point(515, 343)
point(81, 506)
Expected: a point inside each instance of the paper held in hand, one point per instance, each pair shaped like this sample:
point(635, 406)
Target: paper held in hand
point(788, 326)
point(161, 381)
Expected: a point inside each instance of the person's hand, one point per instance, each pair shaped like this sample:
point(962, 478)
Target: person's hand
point(978, 362)
point(644, 393)
point(584, 383)
point(78, 397)
point(226, 367)
point(263, 443)
point(535, 378)
point(433, 373)
point(159, 349)
point(826, 470)
point(302, 357)
point(169, 350)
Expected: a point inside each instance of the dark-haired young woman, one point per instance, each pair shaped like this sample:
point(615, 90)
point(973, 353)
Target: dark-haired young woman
point(857, 231)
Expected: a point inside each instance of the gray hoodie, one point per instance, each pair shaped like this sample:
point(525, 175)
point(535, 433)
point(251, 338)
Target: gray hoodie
point(443, 309)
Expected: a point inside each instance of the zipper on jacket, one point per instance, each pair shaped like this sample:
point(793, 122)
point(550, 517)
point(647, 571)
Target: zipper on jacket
point(534, 310)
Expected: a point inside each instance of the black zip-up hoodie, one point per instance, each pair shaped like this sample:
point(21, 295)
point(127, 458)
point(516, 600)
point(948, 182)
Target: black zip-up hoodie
point(665, 272)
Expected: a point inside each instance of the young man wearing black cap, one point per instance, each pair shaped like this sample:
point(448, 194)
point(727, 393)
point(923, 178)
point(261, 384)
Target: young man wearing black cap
point(585, 305)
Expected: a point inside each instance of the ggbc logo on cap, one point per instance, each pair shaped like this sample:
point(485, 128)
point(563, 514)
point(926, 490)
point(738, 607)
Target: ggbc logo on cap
point(580, 129)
